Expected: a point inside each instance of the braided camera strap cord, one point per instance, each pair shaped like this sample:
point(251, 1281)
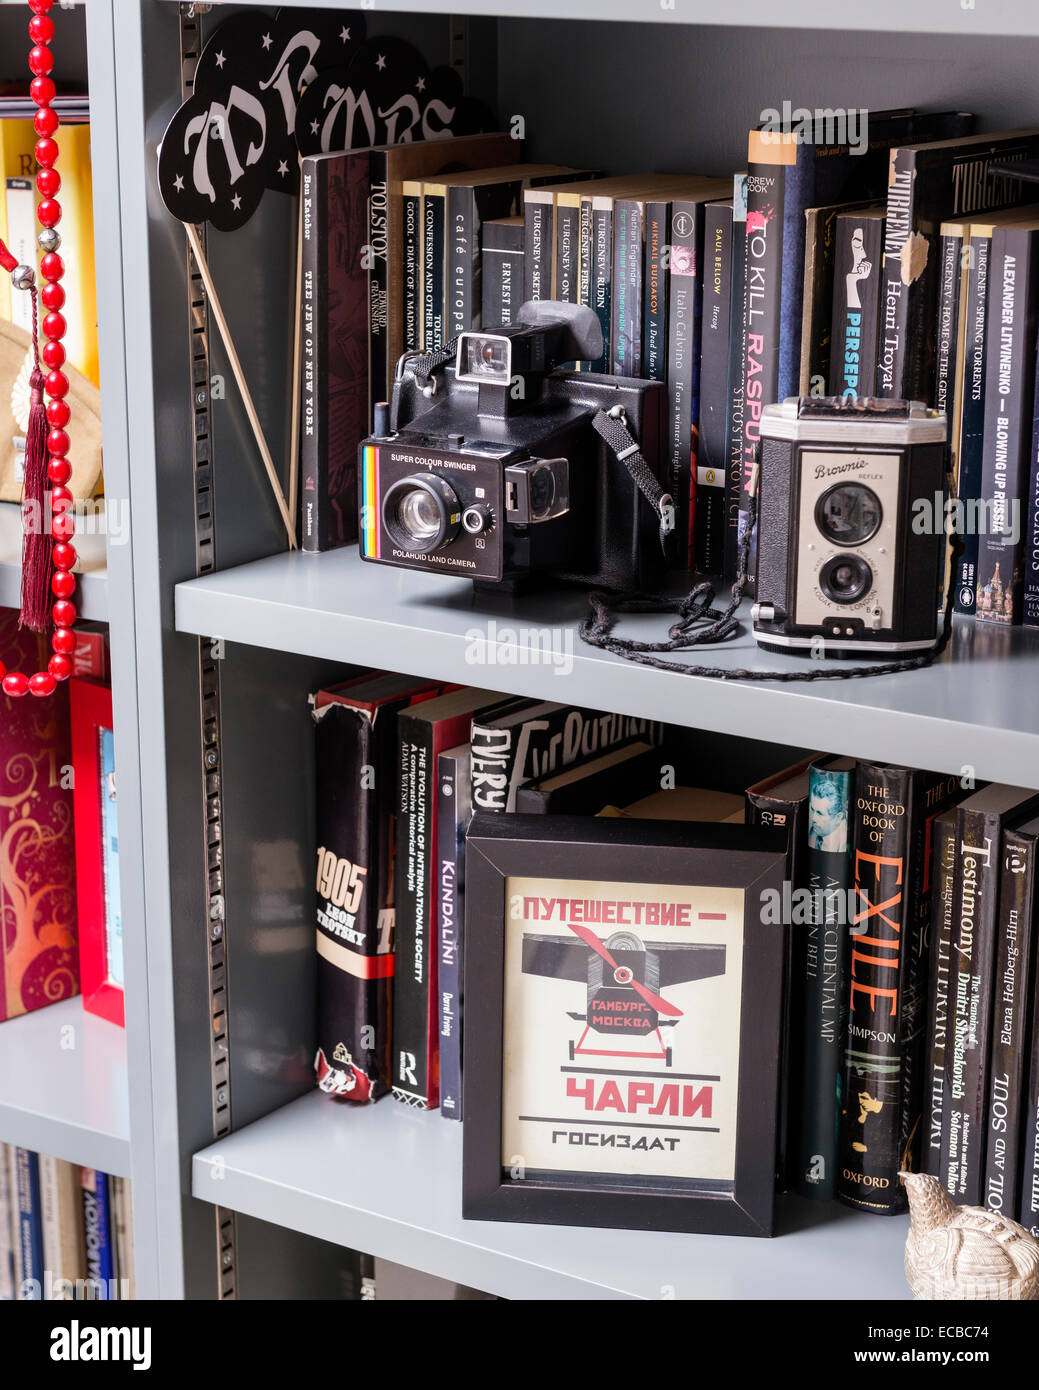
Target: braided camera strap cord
point(699, 624)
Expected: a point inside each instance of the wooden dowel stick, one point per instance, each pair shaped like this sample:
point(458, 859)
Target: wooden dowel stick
point(239, 376)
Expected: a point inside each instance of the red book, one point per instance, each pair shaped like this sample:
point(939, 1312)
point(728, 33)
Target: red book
point(39, 963)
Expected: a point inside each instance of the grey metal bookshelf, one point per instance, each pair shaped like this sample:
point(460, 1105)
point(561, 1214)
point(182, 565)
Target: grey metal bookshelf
point(240, 1171)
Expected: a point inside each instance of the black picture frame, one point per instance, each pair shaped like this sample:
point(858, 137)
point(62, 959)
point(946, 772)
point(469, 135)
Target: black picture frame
point(637, 851)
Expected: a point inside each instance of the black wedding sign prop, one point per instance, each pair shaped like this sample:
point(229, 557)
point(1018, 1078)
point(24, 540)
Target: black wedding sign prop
point(622, 996)
point(304, 82)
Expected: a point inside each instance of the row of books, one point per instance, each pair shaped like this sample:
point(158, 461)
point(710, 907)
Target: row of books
point(913, 1016)
point(401, 765)
point(824, 267)
point(66, 1232)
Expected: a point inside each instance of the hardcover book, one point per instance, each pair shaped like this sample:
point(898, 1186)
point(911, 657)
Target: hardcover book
point(944, 852)
point(737, 355)
point(423, 732)
point(454, 809)
point(584, 789)
point(356, 745)
point(709, 519)
point(1014, 976)
point(502, 252)
point(524, 741)
point(859, 240)
point(980, 821)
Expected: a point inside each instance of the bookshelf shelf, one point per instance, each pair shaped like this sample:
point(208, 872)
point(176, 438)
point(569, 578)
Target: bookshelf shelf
point(388, 1180)
point(963, 710)
point(91, 569)
point(63, 1086)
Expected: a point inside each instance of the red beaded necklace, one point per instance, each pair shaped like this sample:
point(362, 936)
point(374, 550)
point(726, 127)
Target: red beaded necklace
point(47, 554)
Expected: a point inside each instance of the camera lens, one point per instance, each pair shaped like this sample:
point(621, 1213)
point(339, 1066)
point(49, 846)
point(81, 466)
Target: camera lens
point(845, 578)
point(848, 514)
point(421, 513)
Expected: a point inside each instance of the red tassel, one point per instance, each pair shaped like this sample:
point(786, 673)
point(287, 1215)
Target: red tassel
point(37, 541)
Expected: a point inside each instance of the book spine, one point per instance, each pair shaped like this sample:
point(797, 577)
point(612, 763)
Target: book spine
point(380, 368)
point(433, 219)
point(1015, 954)
point(49, 1220)
point(452, 818)
point(938, 1006)
point(813, 1143)
point(972, 953)
point(412, 1063)
point(1030, 581)
point(1028, 1213)
point(29, 1226)
point(502, 277)
point(21, 241)
point(313, 448)
point(900, 372)
point(709, 533)
point(1009, 395)
point(462, 261)
point(681, 355)
point(949, 282)
point(817, 301)
point(972, 418)
point(656, 279)
point(98, 1233)
point(871, 1090)
point(538, 219)
point(568, 251)
point(601, 276)
point(411, 210)
point(7, 1282)
point(626, 313)
point(735, 390)
point(856, 285)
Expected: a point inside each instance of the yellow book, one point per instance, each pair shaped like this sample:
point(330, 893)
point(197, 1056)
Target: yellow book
point(17, 143)
point(77, 249)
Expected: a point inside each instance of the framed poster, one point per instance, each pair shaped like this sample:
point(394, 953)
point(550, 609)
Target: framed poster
point(622, 1032)
point(98, 900)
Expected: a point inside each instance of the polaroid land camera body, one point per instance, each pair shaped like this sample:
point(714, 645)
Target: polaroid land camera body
point(838, 556)
point(491, 469)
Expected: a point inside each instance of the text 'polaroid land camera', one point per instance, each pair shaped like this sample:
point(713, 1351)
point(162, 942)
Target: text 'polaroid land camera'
point(498, 468)
point(838, 554)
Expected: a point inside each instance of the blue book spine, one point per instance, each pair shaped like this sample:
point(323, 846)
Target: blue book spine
point(29, 1224)
point(98, 1231)
point(454, 808)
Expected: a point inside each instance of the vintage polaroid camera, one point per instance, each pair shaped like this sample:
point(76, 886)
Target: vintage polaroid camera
point(839, 555)
point(495, 467)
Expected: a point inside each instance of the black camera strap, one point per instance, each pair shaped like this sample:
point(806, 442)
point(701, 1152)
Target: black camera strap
point(699, 624)
point(612, 427)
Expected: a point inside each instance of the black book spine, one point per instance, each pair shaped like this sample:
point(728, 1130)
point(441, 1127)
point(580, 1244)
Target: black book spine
point(313, 448)
point(902, 306)
point(433, 229)
point(871, 1091)
point(682, 382)
point(601, 275)
point(411, 211)
point(379, 367)
point(972, 955)
point(626, 312)
point(822, 968)
point(1029, 1209)
point(938, 1006)
point(538, 224)
point(1030, 586)
point(454, 807)
point(411, 1060)
point(462, 259)
point(1009, 393)
point(502, 277)
point(656, 278)
point(737, 353)
point(1013, 989)
point(856, 284)
point(568, 251)
point(709, 525)
point(972, 417)
point(950, 279)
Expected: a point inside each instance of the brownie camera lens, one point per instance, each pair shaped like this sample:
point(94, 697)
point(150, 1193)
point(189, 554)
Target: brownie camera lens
point(848, 514)
point(845, 578)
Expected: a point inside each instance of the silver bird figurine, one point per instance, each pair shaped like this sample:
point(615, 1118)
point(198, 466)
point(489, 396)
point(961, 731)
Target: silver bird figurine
point(965, 1252)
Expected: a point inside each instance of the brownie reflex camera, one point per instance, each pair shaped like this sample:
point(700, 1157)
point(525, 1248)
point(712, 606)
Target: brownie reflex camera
point(839, 555)
point(497, 465)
